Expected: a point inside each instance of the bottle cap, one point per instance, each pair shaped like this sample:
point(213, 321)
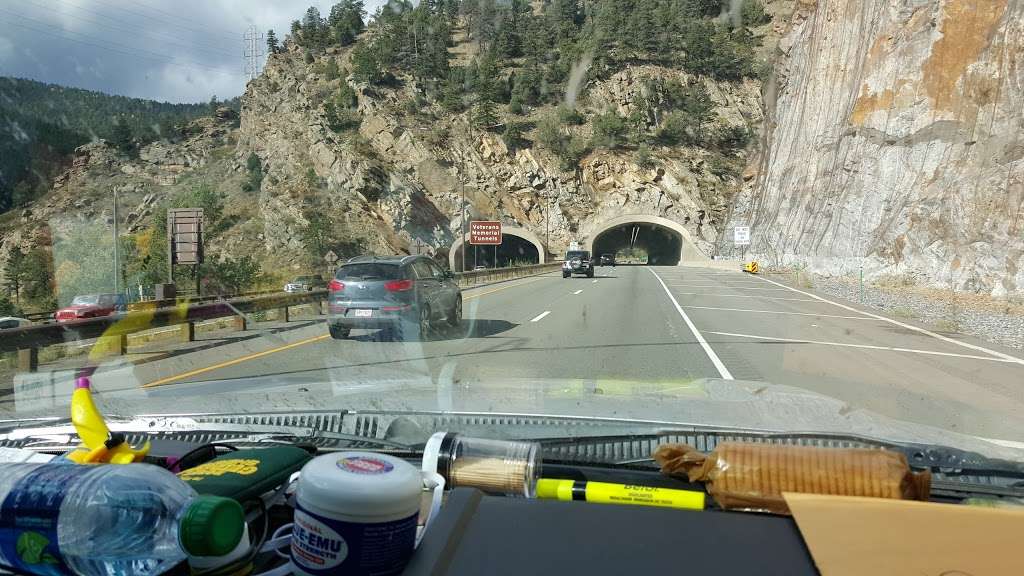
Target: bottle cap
point(211, 526)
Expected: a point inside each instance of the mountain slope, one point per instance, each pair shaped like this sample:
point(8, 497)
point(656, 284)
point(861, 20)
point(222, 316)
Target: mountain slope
point(41, 124)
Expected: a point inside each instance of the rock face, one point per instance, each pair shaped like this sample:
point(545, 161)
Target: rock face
point(894, 143)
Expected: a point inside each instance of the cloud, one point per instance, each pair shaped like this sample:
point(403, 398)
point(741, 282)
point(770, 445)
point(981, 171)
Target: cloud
point(6, 49)
point(184, 51)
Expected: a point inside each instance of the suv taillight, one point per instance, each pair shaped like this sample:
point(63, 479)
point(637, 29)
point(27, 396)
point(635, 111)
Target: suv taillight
point(335, 286)
point(398, 285)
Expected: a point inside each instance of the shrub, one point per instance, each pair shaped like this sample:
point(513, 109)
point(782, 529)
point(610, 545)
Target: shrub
point(609, 131)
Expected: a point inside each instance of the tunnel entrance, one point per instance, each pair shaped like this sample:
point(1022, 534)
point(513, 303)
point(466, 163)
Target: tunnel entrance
point(640, 243)
point(515, 250)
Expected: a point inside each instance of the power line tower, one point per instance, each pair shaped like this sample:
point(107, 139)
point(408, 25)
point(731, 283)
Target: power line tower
point(253, 52)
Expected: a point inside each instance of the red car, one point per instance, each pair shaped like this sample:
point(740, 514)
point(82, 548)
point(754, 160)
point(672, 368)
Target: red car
point(91, 306)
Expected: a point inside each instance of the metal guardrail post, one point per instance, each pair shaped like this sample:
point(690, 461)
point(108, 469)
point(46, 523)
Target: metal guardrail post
point(28, 360)
point(282, 314)
point(187, 332)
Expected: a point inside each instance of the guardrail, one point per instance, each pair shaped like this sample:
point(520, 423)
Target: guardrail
point(112, 331)
point(148, 304)
point(477, 277)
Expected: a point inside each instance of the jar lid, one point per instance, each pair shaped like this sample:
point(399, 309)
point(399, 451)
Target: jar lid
point(360, 484)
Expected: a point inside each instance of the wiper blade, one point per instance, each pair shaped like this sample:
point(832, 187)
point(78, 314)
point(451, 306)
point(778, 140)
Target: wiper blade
point(62, 434)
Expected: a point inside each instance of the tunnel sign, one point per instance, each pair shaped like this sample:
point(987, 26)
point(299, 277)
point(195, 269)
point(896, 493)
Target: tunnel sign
point(741, 236)
point(485, 232)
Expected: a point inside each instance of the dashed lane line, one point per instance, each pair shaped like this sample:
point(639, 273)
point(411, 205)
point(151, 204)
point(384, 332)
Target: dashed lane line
point(540, 316)
point(577, 292)
point(246, 358)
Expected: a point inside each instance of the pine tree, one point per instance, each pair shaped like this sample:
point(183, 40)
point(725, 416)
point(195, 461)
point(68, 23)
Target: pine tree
point(484, 115)
point(121, 137)
point(272, 47)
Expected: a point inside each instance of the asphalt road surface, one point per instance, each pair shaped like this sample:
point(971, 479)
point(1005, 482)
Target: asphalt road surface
point(664, 326)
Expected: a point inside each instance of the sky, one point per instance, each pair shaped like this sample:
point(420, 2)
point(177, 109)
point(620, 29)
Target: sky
point(180, 51)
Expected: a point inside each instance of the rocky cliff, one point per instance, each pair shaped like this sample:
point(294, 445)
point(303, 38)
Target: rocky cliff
point(894, 143)
point(399, 181)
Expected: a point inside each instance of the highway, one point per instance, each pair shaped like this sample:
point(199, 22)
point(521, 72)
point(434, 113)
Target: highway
point(663, 327)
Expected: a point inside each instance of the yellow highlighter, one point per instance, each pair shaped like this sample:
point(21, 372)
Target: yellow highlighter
point(608, 493)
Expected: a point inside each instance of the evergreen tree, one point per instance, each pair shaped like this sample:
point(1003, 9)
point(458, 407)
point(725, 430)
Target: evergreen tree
point(121, 137)
point(346, 21)
point(314, 30)
point(272, 47)
point(484, 114)
point(365, 65)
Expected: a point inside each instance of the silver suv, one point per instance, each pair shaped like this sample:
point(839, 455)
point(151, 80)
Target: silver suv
point(404, 293)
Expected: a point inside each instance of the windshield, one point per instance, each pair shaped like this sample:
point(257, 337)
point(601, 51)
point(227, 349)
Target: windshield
point(804, 223)
point(369, 272)
point(85, 300)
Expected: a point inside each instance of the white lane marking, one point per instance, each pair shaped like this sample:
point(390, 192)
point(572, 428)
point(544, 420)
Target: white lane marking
point(541, 316)
point(594, 282)
point(741, 296)
point(1006, 357)
point(721, 286)
point(779, 312)
point(696, 333)
point(577, 292)
point(864, 346)
point(1007, 443)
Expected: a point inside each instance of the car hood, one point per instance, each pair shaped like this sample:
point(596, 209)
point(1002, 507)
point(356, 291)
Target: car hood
point(713, 402)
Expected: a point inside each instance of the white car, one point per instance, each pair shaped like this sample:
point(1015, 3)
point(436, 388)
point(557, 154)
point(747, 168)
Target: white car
point(7, 322)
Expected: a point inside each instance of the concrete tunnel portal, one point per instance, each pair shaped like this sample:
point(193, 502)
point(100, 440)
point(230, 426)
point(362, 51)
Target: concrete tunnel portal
point(656, 239)
point(518, 247)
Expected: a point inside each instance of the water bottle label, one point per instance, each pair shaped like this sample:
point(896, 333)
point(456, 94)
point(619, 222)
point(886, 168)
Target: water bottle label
point(322, 546)
point(28, 520)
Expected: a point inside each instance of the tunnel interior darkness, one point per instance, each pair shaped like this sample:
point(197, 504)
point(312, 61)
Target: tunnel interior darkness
point(513, 250)
point(663, 246)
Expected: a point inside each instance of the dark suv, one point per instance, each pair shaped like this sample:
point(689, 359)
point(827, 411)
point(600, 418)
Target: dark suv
point(403, 293)
point(577, 262)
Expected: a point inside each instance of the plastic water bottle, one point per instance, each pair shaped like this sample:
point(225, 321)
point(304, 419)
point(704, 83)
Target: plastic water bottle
point(108, 520)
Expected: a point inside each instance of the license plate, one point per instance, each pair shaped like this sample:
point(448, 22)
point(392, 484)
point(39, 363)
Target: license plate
point(363, 313)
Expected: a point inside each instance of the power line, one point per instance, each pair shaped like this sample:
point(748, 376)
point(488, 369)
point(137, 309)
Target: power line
point(135, 30)
point(199, 28)
point(173, 15)
point(130, 51)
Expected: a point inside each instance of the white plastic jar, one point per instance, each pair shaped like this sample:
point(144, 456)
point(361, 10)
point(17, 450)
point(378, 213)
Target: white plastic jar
point(355, 514)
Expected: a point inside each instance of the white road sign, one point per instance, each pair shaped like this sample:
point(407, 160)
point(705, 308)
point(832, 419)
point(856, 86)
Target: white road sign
point(741, 236)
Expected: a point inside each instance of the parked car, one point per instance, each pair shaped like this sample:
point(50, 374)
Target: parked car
point(479, 267)
point(91, 306)
point(8, 322)
point(577, 262)
point(405, 293)
point(306, 283)
point(608, 260)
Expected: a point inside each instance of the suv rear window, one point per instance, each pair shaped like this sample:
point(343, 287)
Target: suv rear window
point(369, 271)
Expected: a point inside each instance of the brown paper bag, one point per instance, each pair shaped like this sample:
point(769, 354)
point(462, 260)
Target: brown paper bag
point(751, 476)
